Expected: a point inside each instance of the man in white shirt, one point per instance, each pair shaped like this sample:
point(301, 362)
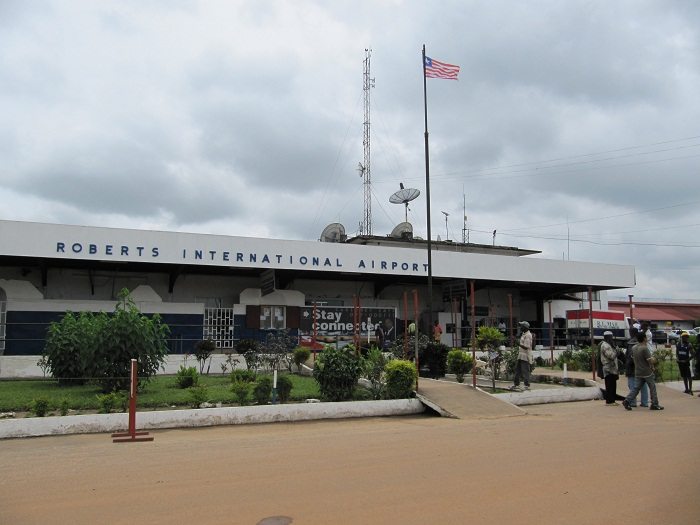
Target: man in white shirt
point(522, 365)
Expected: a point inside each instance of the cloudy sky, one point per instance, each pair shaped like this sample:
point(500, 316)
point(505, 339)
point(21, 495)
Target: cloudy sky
point(574, 127)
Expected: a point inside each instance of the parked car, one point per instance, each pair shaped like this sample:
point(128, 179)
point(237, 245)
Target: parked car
point(691, 331)
point(663, 337)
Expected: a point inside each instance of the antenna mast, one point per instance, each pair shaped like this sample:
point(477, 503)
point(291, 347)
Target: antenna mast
point(365, 172)
point(465, 230)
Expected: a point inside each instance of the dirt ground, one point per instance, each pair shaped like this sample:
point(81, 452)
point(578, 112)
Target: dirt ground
point(565, 463)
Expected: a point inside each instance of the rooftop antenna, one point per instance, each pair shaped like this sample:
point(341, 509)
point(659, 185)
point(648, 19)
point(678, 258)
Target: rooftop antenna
point(364, 168)
point(334, 232)
point(465, 230)
point(447, 231)
point(404, 196)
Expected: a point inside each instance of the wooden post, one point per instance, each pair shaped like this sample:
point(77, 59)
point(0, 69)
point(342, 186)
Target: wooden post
point(132, 435)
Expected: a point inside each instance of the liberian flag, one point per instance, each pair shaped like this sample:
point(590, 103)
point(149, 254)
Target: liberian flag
point(436, 69)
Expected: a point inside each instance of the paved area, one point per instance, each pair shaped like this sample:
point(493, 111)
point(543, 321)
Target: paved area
point(463, 401)
point(574, 463)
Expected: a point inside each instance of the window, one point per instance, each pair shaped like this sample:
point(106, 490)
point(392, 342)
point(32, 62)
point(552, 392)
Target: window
point(272, 317)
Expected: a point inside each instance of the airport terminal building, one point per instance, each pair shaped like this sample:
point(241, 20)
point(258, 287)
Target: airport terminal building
point(229, 288)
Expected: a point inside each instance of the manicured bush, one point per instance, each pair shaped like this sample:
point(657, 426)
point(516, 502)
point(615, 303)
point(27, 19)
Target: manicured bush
point(284, 388)
point(300, 355)
point(336, 372)
point(40, 406)
point(262, 390)
point(244, 376)
point(459, 363)
point(400, 378)
point(187, 377)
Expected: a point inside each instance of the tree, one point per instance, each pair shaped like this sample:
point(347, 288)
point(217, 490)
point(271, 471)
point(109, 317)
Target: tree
point(202, 352)
point(128, 334)
point(489, 339)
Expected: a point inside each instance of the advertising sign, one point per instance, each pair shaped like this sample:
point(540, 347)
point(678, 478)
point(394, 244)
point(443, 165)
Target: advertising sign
point(334, 324)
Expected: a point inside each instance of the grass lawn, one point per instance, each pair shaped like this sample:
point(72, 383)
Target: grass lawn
point(161, 392)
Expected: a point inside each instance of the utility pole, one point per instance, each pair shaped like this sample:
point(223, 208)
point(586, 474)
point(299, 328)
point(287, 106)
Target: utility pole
point(365, 171)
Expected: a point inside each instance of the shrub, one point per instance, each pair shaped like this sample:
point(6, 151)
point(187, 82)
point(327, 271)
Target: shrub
point(278, 344)
point(243, 376)
point(112, 401)
point(660, 355)
point(400, 378)
point(241, 392)
point(284, 388)
point(64, 406)
point(373, 370)
point(198, 394)
point(252, 360)
point(582, 359)
point(300, 355)
point(459, 363)
point(203, 351)
point(245, 345)
point(187, 377)
point(40, 406)
point(397, 347)
point(435, 358)
point(262, 390)
point(71, 345)
point(510, 359)
point(336, 372)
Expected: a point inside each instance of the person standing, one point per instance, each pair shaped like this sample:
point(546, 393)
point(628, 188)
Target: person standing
point(629, 371)
point(643, 373)
point(608, 356)
point(684, 352)
point(522, 365)
point(437, 331)
point(379, 335)
point(412, 328)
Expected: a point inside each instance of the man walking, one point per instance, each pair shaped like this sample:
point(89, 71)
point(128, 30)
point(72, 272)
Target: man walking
point(643, 373)
point(522, 365)
point(629, 370)
point(608, 356)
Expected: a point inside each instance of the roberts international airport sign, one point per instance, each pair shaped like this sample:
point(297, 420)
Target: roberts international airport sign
point(55, 241)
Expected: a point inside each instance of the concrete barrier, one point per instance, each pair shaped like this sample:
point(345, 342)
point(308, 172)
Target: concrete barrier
point(203, 417)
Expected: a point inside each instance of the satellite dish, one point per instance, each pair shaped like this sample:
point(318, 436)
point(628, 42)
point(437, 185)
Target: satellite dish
point(404, 196)
point(334, 232)
point(403, 230)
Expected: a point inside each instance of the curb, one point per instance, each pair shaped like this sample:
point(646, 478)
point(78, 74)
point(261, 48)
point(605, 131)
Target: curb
point(205, 417)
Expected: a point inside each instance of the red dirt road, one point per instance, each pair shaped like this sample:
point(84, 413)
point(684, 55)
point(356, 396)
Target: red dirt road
point(567, 463)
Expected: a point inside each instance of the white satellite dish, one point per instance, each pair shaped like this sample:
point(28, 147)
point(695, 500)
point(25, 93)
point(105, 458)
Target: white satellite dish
point(404, 196)
point(334, 232)
point(403, 230)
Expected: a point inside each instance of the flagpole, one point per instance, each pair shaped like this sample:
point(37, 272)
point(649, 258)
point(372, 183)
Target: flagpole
point(427, 200)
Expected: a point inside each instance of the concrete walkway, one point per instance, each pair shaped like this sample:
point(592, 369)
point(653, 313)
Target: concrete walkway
point(462, 401)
